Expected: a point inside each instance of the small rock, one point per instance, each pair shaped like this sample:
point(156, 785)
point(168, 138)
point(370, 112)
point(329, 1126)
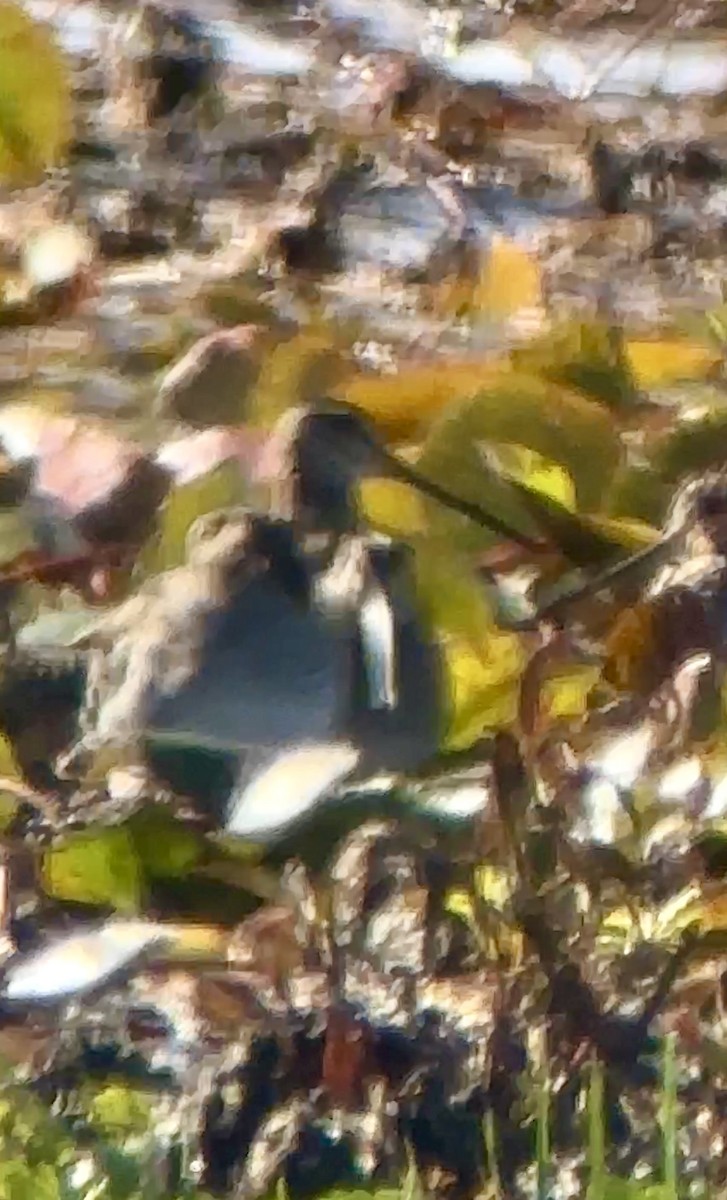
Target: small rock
point(189, 458)
point(104, 486)
point(56, 265)
point(210, 383)
point(53, 256)
point(127, 785)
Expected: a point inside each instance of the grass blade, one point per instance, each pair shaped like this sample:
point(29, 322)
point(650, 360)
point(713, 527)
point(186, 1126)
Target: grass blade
point(489, 1132)
point(668, 1117)
point(596, 1150)
point(542, 1132)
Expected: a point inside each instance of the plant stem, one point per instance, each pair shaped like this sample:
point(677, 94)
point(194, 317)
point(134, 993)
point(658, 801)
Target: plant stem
point(489, 1132)
point(596, 1138)
point(542, 1136)
point(668, 1116)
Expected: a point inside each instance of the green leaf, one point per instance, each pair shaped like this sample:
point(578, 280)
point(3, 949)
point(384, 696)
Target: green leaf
point(668, 1119)
point(693, 446)
point(637, 491)
point(35, 103)
point(236, 302)
point(120, 1110)
point(615, 1188)
point(596, 1151)
point(585, 541)
point(165, 848)
point(542, 1128)
point(298, 371)
point(19, 1181)
point(123, 1171)
point(482, 663)
point(524, 410)
point(374, 1193)
point(17, 535)
point(100, 868)
point(510, 281)
point(527, 467)
point(221, 488)
point(590, 357)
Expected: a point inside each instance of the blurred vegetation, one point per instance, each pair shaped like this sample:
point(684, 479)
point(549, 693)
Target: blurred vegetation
point(587, 700)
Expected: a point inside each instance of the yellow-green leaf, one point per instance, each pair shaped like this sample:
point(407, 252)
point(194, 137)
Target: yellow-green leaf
point(588, 356)
point(10, 774)
point(496, 933)
point(481, 662)
point(483, 687)
point(450, 598)
point(629, 532)
point(220, 488)
point(96, 868)
point(494, 885)
point(510, 281)
point(392, 508)
point(165, 847)
point(694, 446)
point(565, 696)
point(662, 362)
point(562, 426)
point(537, 473)
point(296, 372)
point(117, 1109)
point(35, 105)
point(197, 941)
point(660, 923)
point(584, 540)
point(404, 404)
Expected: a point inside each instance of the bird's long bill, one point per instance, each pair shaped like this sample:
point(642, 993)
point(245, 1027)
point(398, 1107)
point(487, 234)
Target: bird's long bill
point(632, 571)
point(473, 512)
